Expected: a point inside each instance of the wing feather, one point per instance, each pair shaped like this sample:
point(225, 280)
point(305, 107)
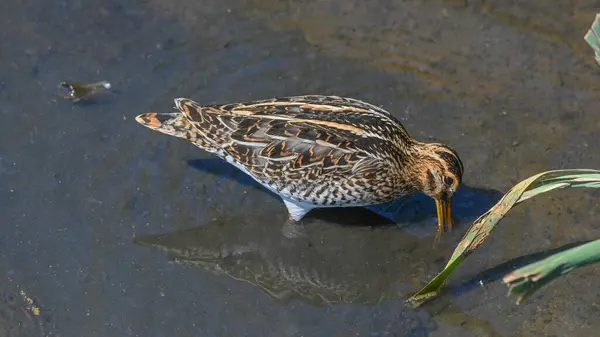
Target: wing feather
point(319, 134)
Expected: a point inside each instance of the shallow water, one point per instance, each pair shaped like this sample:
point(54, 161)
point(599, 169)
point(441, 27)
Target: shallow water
point(94, 206)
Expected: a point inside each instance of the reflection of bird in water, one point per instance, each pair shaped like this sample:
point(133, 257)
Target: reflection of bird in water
point(335, 270)
point(337, 265)
point(322, 273)
point(319, 151)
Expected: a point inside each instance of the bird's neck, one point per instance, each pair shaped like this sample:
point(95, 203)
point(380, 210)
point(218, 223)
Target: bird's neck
point(419, 161)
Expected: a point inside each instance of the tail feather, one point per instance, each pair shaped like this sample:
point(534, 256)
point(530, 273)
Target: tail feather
point(174, 124)
point(211, 122)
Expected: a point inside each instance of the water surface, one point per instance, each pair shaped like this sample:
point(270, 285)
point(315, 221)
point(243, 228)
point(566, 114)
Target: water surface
point(95, 207)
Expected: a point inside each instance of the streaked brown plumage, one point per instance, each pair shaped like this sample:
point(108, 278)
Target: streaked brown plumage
point(319, 151)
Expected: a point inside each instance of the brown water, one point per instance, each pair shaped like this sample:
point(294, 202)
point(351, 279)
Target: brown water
point(93, 206)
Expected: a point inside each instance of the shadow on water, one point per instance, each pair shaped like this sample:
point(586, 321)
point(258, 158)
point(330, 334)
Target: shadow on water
point(497, 272)
point(415, 213)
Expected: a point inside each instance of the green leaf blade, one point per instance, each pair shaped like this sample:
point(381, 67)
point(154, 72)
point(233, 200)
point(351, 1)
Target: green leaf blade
point(483, 226)
point(525, 281)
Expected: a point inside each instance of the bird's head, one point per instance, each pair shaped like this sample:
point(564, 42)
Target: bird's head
point(439, 172)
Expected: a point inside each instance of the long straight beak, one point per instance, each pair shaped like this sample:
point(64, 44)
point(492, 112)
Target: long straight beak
point(444, 214)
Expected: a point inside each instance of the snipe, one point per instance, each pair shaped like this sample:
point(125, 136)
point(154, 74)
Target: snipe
point(319, 151)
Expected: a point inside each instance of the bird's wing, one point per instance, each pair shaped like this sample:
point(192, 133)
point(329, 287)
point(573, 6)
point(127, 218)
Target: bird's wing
point(300, 136)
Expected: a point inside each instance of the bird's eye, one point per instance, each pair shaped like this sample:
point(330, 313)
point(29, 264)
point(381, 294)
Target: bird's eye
point(448, 181)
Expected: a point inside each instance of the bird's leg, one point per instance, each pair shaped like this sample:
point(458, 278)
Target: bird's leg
point(292, 228)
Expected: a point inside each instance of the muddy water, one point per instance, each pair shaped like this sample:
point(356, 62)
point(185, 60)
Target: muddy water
point(94, 208)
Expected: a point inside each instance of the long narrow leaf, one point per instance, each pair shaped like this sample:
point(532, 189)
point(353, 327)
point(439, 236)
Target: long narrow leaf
point(527, 280)
point(593, 37)
point(482, 227)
